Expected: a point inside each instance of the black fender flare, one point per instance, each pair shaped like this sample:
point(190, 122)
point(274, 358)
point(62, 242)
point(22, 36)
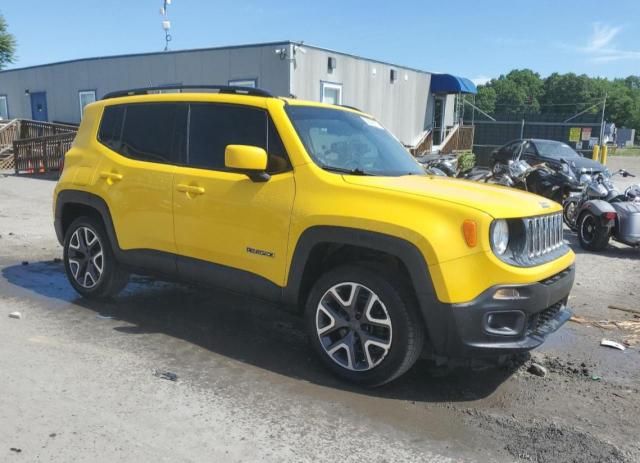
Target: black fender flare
point(435, 315)
point(67, 197)
point(597, 207)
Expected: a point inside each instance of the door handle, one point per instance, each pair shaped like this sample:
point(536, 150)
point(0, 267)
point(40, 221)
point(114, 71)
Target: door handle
point(191, 189)
point(111, 176)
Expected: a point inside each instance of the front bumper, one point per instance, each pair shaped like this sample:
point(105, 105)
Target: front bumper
point(488, 327)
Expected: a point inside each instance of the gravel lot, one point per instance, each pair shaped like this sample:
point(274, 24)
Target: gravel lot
point(77, 377)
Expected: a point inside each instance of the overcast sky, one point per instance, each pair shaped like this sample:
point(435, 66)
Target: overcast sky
point(475, 39)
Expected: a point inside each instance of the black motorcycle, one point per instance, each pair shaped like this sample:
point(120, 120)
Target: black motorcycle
point(553, 181)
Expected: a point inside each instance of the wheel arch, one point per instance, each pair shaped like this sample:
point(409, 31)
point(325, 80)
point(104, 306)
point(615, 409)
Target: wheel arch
point(71, 204)
point(322, 247)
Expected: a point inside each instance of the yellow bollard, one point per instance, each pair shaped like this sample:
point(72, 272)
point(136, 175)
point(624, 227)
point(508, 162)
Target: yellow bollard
point(603, 154)
point(596, 152)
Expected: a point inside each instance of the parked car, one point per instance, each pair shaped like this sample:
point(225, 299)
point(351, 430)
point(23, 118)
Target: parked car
point(315, 207)
point(552, 152)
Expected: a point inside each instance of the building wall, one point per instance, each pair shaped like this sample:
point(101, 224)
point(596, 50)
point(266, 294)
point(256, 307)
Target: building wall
point(400, 106)
point(63, 81)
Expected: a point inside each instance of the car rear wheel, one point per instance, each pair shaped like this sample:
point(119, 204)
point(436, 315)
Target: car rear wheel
point(363, 326)
point(591, 234)
point(89, 261)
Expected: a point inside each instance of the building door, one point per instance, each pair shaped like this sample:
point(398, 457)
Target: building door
point(438, 120)
point(39, 106)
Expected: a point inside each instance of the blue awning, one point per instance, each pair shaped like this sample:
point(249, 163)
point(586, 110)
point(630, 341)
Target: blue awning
point(446, 83)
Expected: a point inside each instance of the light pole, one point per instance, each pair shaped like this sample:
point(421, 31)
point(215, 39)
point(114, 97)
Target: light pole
point(166, 24)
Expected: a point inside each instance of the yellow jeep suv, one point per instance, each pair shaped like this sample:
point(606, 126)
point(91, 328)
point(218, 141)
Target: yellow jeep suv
point(316, 207)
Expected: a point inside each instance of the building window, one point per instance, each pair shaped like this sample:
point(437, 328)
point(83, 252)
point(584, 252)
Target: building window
point(4, 108)
point(86, 97)
point(331, 93)
point(251, 83)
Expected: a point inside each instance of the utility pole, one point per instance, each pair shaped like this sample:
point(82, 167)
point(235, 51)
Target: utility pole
point(166, 24)
point(604, 105)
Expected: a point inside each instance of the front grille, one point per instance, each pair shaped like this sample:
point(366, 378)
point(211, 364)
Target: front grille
point(543, 234)
point(539, 320)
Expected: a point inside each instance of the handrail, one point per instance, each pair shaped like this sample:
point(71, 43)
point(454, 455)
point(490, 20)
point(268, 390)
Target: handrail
point(8, 133)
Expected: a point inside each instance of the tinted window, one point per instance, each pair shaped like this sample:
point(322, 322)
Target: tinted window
point(278, 159)
point(154, 132)
point(111, 127)
point(214, 126)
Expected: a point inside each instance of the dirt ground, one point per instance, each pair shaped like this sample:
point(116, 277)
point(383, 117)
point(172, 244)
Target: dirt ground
point(77, 378)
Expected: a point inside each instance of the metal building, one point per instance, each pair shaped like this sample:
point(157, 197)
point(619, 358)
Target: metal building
point(409, 102)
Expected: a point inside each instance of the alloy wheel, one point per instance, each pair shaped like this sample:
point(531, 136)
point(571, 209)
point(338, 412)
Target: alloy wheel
point(85, 257)
point(353, 326)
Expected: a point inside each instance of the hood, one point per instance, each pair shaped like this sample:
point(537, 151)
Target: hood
point(585, 163)
point(497, 201)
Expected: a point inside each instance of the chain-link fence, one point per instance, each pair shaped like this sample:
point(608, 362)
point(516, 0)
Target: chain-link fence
point(581, 133)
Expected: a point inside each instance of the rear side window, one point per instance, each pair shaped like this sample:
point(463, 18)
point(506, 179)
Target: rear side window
point(147, 132)
point(111, 127)
point(214, 126)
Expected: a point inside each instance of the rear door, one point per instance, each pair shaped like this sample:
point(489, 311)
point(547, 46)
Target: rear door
point(223, 217)
point(141, 143)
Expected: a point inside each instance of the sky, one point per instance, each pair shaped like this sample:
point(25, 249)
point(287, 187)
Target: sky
point(474, 39)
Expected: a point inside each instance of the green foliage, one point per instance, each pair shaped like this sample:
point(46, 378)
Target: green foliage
point(7, 44)
point(523, 91)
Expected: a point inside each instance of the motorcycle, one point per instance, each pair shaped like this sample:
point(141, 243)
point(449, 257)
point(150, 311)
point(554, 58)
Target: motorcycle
point(601, 212)
point(555, 182)
point(447, 165)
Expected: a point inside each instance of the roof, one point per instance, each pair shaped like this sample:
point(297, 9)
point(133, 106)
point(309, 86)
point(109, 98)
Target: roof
point(448, 83)
point(228, 47)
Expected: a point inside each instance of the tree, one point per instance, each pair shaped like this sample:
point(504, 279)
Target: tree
point(518, 92)
point(7, 44)
point(486, 99)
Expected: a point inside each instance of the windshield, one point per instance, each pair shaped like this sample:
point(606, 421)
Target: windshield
point(555, 149)
point(346, 142)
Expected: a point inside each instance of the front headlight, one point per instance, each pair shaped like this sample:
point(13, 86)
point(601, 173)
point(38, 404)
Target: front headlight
point(500, 236)
point(585, 178)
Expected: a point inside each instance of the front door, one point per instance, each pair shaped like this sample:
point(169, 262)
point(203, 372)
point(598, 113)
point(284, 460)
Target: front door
point(39, 106)
point(223, 217)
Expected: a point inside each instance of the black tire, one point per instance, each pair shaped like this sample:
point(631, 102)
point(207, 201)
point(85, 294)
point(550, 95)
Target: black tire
point(405, 333)
point(568, 214)
point(591, 234)
point(92, 275)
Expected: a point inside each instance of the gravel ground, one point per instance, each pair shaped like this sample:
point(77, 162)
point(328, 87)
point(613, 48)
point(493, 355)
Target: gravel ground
point(77, 377)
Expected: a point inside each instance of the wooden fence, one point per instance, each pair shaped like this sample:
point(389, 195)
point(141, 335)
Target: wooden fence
point(42, 154)
point(35, 129)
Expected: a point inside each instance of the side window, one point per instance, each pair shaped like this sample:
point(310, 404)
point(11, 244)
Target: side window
point(530, 149)
point(214, 126)
point(152, 132)
point(111, 127)
point(278, 159)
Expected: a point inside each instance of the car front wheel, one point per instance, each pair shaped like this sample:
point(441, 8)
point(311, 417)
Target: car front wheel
point(363, 325)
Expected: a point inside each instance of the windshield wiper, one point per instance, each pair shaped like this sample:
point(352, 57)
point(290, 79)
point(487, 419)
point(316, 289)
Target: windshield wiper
point(344, 170)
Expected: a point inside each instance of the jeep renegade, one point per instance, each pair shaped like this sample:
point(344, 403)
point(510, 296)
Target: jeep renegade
point(316, 207)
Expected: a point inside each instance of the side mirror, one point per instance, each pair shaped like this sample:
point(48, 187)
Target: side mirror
point(250, 160)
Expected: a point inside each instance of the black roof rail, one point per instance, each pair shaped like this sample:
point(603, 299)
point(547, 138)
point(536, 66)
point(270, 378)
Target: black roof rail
point(351, 107)
point(229, 89)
